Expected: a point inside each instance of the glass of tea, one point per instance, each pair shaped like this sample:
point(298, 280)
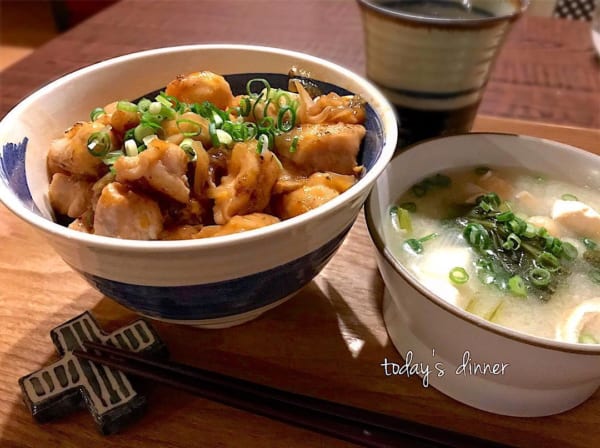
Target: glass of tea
point(432, 58)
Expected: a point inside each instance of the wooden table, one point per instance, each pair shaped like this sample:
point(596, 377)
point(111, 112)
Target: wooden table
point(329, 341)
point(547, 71)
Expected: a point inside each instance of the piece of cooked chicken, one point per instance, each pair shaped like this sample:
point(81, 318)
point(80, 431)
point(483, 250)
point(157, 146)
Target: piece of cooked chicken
point(202, 86)
point(577, 217)
point(237, 224)
point(322, 147)
point(247, 186)
point(162, 166)
point(303, 199)
point(123, 213)
point(68, 195)
point(69, 154)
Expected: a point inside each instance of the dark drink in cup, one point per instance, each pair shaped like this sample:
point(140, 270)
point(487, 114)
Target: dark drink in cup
point(432, 58)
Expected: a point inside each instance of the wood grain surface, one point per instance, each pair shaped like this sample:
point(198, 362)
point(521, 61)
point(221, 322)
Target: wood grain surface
point(547, 71)
point(328, 341)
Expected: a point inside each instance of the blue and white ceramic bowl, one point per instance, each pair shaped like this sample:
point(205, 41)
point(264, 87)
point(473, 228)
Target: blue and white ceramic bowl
point(215, 282)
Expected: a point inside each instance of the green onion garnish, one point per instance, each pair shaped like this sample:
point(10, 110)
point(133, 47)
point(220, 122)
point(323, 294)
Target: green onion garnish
point(96, 113)
point(286, 125)
point(569, 251)
point(540, 276)
point(458, 275)
point(477, 236)
point(513, 242)
point(131, 148)
point(194, 124)
point(505, 216)
point(127, 106)
point(141, 131)
point(569, 197)
point(245, 107)
point(263, 81)
point(187, 146)
point(416, 245)
point(548, 261)
point(143, 105)
point(99, 144)
point(401, 218)
point(517, 286)
point(212, 131)
point(263, 144)
point(595, 275)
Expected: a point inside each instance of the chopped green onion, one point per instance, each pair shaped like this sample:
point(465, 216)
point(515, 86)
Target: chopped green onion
point(131, 148)
point(188, 146)
point(569, 197)
point(143, 105)
point(263, 144)
point(194, 124)
point(477, 236)
point(286, 125)
point(245, 107)
point(548, 261)
point(155, 108)
point(553, 245)
point(590, 244)
point(458, 275)
point(163, 100)
point(505, 216)
point(409, 206)
point(147, 139)
point(99, 144)
point(530, 231)
point(569, 251)
point(141, 131)
point(212, 131)
point(517, 226)
point(400, 219)
point(224, 137)
point(94, 114)
point(491, 198)
point(263, 81)
point(127, 106)
point(517, 286)
point(513, 242)
point(112, 157)
point(416, 245)
point(540, 276)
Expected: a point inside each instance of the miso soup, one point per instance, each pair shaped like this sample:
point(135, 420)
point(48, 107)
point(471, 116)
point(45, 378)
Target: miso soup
point(514, 247)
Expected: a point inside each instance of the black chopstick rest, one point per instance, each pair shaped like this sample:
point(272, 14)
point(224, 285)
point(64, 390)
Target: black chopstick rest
point(72, 383)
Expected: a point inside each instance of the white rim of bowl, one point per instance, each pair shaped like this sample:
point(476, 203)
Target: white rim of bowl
point(538, 341)
point(390, 140)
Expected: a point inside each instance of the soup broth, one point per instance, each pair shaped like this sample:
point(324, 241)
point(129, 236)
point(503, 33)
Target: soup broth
point(514, 247)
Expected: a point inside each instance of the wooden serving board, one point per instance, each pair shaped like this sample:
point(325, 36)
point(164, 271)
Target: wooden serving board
point(329, 341)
